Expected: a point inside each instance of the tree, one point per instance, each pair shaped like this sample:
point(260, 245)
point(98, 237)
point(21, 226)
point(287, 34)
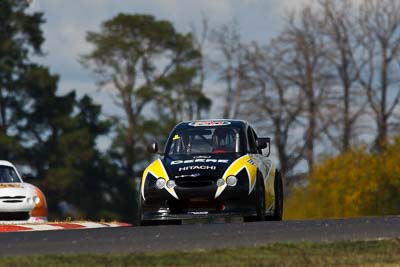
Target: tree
point(54, 135)
point(306, 68)
point(141, 59)
point(338, 24)
point(200, 38)
point(58, 135)
point(274, 104)
point(229, 64)
point(377, 70)
point(20, 37)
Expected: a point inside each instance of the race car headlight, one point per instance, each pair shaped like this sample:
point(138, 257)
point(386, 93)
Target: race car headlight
point(171, 184)
point(36, 200)
point(160, 184)
point(220, 182)
point(231, 181)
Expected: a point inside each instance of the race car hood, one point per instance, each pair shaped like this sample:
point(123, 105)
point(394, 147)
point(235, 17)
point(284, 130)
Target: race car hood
point(198, 166)
point(15, 189)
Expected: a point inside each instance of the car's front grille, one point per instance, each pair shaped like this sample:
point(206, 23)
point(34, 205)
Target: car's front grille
point(14, 216)
point(195, 181)
point(15, 199)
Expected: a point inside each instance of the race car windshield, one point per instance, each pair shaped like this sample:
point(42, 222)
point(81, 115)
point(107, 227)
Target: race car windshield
point(8, 175)
point(205, 140)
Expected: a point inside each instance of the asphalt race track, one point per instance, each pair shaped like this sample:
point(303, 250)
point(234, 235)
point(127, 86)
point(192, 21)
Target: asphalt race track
point(195, 236)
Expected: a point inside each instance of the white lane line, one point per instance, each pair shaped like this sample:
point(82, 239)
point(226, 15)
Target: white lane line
point(93, 225)
point(42, 227)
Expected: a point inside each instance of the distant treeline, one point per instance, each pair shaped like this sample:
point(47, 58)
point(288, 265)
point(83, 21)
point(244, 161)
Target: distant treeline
point(327, 83)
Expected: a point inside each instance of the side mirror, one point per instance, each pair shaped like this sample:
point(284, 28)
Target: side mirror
point(264, 142)
point(152, 148)
point(27, 176)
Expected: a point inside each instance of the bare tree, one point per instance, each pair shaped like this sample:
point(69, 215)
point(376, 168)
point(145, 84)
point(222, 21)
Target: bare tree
point(274, 105)
point(200, 40)
point(379, 67)
point(229, 65)
point(304, 56)
point(337, 25)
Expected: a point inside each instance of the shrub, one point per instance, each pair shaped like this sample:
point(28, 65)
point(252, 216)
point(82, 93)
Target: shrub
point(356, 183)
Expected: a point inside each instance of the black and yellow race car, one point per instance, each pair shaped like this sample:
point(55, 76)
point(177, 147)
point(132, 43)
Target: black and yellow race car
point(209, 169)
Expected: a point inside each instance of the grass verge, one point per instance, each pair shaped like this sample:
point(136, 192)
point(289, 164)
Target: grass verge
point(360, 253)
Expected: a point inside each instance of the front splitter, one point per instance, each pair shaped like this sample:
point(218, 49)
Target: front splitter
point(194, 216)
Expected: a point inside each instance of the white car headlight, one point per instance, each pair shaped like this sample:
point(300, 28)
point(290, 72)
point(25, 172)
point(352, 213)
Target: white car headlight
point(231, 181)
point(160, 184)
point(220, 182)
point(36, 200)
point(171, 184)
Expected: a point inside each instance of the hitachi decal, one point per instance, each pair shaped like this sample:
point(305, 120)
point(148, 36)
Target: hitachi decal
point(203, 167)
point(176, 162)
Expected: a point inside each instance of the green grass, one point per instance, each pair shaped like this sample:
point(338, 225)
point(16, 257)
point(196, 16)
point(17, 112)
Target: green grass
point(368, 253)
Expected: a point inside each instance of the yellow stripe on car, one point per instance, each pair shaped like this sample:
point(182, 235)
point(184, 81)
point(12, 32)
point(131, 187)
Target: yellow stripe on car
point(244, 162)
point(158, 171)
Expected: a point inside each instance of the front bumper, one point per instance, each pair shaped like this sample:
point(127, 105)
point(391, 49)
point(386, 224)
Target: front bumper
point(11, 213)
point(20, 218)
point(197, 203)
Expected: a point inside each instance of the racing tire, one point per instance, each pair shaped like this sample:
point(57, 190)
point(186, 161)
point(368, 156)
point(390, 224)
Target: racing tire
point(138, 215)
point(278, 187)
point(260, 198)
point(260, 201)
point(140, 222)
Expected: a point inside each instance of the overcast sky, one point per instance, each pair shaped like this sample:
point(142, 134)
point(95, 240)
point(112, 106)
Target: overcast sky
point(68, 21)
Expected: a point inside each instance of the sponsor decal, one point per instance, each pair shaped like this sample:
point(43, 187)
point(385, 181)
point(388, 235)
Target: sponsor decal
point(252, 162)
point(177, 162)
point(10, 186)
point(209, 123)
point(176, 137)
point(202, 167)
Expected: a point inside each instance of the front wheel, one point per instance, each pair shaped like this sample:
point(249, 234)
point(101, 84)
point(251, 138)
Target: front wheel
point(139, 213)
point(260, 198)
point(260, 201)
point(138, 216)
point(278, 187)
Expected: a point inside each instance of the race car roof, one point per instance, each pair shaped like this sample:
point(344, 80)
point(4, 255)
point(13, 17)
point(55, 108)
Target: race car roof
point(6, 163)
point(212, 122)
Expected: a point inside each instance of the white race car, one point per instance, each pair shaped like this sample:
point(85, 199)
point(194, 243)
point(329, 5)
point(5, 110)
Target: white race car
point(19, 201)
